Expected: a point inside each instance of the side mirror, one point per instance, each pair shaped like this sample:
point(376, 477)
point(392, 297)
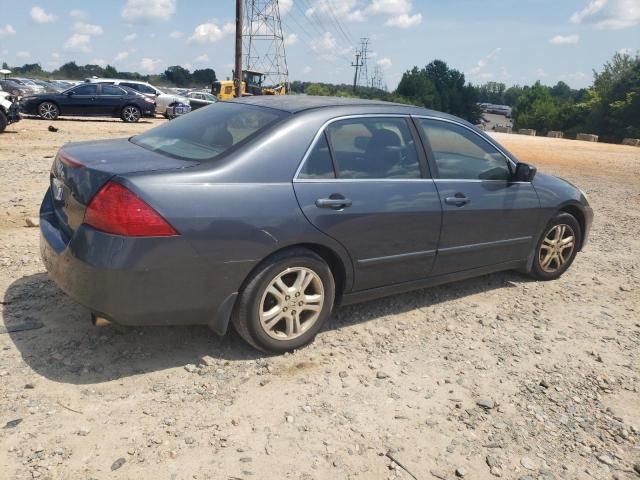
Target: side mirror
point(524, 172)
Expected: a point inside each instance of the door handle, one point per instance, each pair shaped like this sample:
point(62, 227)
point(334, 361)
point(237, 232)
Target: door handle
point(336, 202)
point(458, 200)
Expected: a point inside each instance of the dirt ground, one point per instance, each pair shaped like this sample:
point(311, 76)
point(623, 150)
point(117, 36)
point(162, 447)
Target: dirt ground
point(497, 376)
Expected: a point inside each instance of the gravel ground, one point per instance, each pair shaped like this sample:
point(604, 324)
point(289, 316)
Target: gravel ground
point(497, 376)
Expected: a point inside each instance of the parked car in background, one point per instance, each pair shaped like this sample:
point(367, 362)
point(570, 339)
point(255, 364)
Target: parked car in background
point(48, 86)
point(9, 110)
point(90, 100)
point(14, 88)
point(162, 99)
point(268, 212)
point(28, 84)
point(200, 99)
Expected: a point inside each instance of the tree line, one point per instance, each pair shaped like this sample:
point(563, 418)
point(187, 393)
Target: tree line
point(610, 107)
point(175, 76)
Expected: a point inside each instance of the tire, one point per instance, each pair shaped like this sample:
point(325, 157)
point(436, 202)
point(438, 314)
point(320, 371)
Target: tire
point(48, 111)
point(130, 114)
point(554, 252)
point(3, 121)
point(258, 308)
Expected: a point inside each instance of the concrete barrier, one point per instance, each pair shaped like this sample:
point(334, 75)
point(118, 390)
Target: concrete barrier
point(634, 142)
point(501, 129)
point(527, 131)
point(587, 137)
point(553, 134)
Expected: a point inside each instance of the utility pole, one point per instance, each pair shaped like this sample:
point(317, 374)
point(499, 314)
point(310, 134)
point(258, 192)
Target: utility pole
point(237, 74)
point(358, 64)
point(364, 72)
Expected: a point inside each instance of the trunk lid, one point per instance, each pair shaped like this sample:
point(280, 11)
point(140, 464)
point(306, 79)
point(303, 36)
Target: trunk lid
point(81, 169)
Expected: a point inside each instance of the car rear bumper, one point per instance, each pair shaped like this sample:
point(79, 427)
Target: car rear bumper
point(134, 281)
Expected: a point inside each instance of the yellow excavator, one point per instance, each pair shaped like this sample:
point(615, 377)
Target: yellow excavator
point(251, 85)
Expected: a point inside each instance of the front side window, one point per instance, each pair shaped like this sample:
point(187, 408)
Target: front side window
point(208, 133)
point(374, 148)
point(89, 89)
point(461, 154)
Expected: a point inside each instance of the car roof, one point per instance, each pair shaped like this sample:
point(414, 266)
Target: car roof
point(300, 103)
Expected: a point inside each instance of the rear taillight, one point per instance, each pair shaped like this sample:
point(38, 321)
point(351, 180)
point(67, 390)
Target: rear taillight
point(117, 210)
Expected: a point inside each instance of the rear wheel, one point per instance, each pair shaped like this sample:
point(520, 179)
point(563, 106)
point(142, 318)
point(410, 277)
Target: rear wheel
point(3, 121)
point(131, 114)
point(557, 247)
point(48, 110)
point(286, 302)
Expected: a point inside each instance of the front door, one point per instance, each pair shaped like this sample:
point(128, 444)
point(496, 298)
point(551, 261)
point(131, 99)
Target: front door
point(365, 184)
point(81, 100)
point(488, 219)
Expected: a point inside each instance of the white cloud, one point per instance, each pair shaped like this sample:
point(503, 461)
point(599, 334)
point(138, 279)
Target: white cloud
point(404, 20)
point(87, 28)
point(609, 14)
point(99, 61)
point(148, 11)
point(38, 15)
point(23, 54)
point(211, 32)
point(327, 42)
point(389, 7)
point(131, 36)
point(625, 51)
point(149, 64)
point(55, 55)
point(564, 40)
point(204, 58)
point(79, 14)
point(307, 69)
point(384, 62)
point(121, 56)
point(290, 39)
point(285, 6)
point(7, 30)
point(343, 9)
point(540, 73)
point(78, 43)
point(483, 62)
point(176, 34)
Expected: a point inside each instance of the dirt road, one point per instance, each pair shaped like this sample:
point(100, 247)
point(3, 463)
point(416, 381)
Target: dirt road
point(496, 376)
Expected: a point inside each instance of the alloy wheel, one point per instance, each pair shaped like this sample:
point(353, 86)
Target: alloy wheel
point(292, 303)
point(131, 114)
point(48, 111)
point(556, 248)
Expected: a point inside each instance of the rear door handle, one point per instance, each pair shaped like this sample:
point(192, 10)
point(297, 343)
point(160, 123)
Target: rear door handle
point(458, 201)
point(335, 202)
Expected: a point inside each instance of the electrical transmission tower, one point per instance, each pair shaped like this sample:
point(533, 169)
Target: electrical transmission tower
point(263, 41)
point(376, 79)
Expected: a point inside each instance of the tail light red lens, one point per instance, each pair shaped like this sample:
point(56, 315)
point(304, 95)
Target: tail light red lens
point(117, 210)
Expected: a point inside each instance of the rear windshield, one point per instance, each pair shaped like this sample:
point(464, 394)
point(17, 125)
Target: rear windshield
point(207, 133)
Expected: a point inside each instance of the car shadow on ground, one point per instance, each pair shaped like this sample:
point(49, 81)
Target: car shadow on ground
point(85, 119)
point(56, 339)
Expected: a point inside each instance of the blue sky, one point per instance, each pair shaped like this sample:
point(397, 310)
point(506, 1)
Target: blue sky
point(513, 41)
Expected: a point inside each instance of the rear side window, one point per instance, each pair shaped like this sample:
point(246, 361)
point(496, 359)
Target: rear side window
point(111, 90)
point(374, 148)
point(207, 133)
point(461, 154)
point(318, 164)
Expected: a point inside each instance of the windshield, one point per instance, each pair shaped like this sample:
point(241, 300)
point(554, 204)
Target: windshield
point(207, 133)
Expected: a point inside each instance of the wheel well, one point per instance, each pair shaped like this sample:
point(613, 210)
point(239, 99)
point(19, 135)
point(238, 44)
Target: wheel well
point(579, 216)
point(327, 254)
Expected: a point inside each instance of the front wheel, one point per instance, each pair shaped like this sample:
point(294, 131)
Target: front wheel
point(557, 247)
point(131, 114)
point(286, 302)
point(48, 110)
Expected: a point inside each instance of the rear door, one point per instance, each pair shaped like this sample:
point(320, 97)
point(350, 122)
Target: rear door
point(364, 183)
point(110, 99)
point(488, 219)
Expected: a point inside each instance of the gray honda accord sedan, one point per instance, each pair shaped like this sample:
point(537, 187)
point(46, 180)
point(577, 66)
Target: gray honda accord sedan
point(269, 212)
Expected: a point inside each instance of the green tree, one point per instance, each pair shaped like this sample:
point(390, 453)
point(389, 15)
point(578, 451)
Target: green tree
point(204, 77)
point(536, 109)
point(179, 76)
point(317, 89)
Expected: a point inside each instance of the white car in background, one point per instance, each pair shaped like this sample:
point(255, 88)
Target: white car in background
point(164, 99)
